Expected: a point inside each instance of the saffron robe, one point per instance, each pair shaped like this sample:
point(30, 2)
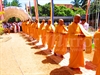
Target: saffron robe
point(76, 46)
point(98, 69)
point(50, 36)
point(96, 57)
point(61, 39)
point(43, 34)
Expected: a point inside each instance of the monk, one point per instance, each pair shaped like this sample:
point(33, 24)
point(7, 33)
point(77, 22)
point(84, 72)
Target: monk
point(50, 36)
point(36, 30)
point(76, 40)
point(61, 39)
point(96, 57)
point(98, 69)
point(43, 33)
point(77, 34)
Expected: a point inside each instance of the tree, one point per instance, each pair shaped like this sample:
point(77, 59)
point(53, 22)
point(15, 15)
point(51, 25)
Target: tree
point(95, 6)
point(84, 4)
point(32, 11)
point(80, 11)
point(15, 3)
point(9, 4)
point(46, 10)
point(5, 3)
point(63, 11)
point(76, 3)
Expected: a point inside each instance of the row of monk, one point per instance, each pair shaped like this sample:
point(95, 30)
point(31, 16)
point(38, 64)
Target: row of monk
point(59, 38)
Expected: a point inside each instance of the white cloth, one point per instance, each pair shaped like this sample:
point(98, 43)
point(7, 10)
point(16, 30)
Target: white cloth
point(86, 26)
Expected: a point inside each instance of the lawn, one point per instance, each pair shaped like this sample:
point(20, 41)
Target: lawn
point(1, 29)
point(92, 46)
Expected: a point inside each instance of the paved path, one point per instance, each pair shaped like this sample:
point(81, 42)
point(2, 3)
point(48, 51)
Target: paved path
point(20, 57)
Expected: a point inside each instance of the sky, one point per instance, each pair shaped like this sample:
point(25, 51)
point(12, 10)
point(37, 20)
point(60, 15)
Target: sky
point(42, 2)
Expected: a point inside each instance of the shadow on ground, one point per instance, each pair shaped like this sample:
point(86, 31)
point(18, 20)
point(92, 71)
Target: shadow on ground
point(48, 60)
point(40, 53)
point(62, 71)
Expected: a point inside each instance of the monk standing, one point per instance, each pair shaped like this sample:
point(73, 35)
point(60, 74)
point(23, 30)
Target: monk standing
point(43, 33)
point(98, 69)
point(96, 57)
point(61, 39)
point(76, 40)
point(50, 36)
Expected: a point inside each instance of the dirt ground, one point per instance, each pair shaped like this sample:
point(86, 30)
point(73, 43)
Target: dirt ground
point(19, 57)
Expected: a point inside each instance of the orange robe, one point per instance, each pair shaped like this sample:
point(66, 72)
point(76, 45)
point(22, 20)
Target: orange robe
point(37, 31)
point(98, 69)
point(27, 27)
point(23, 26)
point(61, 39)
point(96, 57)
point(43, 34)
point(50, 36)
point(31, 29)
point(76, 46)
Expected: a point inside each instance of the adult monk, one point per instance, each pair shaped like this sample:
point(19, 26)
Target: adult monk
point(43, 33)
point(36, 31)
point(96, 57)
point(98, 69)
point(61, 39)
point(50, 36)
point(76, 39)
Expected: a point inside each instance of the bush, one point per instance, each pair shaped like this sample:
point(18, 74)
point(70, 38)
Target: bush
point(1, 30)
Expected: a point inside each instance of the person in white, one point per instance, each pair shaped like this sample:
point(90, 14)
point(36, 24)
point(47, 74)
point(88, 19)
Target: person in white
point(86, 27)
point(84, 24)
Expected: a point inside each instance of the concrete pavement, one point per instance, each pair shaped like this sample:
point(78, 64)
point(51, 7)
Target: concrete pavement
point(20, 57)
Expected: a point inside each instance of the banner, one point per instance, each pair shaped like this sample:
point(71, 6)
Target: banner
point(36, 9)
point(88, 5)
point(30, 8)
point(1, 11)
point(52, 12)
point(26, 8)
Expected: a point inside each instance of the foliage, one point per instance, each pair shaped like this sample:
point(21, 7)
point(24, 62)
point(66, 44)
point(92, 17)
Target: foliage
point(5, 3)
point(84, 4)
point(94, 7)
point(44, 10)
point(76, 3)
point(1, 29)
point(80, 11)
point(14, 3)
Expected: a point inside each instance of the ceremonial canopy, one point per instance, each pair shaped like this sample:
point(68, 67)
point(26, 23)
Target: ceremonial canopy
point(13, 11)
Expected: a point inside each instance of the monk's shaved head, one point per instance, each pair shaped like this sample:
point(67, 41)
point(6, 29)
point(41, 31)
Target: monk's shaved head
point(77, 18)
point(61, 22)
point(49, 22)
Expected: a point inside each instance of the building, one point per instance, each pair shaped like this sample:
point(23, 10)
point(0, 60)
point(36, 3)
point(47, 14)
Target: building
point(66, 5)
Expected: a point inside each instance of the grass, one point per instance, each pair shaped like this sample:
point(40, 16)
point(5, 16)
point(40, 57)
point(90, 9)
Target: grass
point(1, 30)
point(92, 46)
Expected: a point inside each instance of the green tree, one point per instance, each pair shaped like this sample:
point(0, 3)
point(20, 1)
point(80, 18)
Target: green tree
point(80, 11)
point(84, 4)
point(9, 4)
point(15, 3)
point(94, 6)
point(46, 10)
point(63, 11)
point(32, 11)
point(5, 3)
point(76, 3)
